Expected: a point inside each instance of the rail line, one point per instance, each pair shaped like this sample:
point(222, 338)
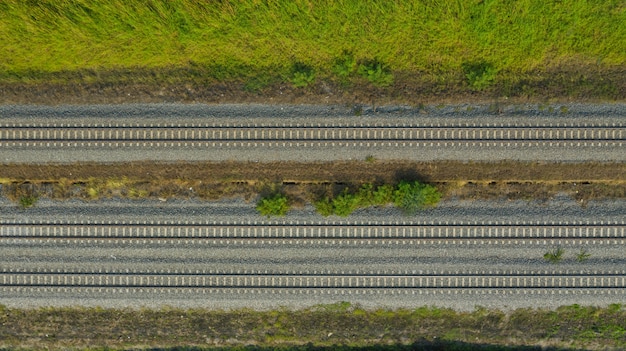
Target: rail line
point(303, 230)
point(12, 133)
point(174, 280)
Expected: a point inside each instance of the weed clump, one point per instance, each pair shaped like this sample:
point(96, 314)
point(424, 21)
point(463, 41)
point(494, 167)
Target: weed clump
point(376, 72)
point(275, 205)
point(480, 74)
point(554, 256)
point(27, 201)
point(302, 75)
point(345, 65)
point(582, 255)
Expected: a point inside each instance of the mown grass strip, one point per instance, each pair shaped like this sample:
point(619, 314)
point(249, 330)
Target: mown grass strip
point(486, 43)
point(337, 325)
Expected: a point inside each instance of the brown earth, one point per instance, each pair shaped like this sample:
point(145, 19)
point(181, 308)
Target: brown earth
point(320, 172)
point(304, 182)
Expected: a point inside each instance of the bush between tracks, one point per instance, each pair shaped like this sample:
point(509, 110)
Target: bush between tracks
point(408, 196)
point(273, 205)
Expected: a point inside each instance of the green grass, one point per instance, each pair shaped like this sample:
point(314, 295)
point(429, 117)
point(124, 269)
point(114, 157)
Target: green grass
point(485, 41)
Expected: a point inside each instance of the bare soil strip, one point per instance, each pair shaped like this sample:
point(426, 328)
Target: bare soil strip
point(320, 172)
point(306, 181)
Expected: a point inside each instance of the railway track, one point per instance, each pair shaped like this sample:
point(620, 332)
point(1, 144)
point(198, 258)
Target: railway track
point(67, 142)
point(503, 280)
point(167, 135)
point(122, 230)
point(171, 133)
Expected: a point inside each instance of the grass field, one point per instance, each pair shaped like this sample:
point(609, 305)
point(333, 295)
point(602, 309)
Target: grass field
point(325, 327)
point(476, 44)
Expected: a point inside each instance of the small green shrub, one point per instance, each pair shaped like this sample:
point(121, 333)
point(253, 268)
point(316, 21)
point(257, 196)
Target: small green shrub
point(376, 73)
point(554, 256)
point(383, 195)
point(479, 74)
point(28, 201)
point(302, 75)
point(365, 195)
point(345, 65)
point(276, 205)
point(414, 196)
point(345, 204)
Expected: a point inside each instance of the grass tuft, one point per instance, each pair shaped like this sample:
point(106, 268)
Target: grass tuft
point(27, 201)
point(554, 256)
point(582, 255)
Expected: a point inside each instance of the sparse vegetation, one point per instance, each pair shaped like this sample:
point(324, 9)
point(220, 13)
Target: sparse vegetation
point(27, 201)
point(582, 255)
point(554, 256)
point(323, 326)
point(211, 181)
